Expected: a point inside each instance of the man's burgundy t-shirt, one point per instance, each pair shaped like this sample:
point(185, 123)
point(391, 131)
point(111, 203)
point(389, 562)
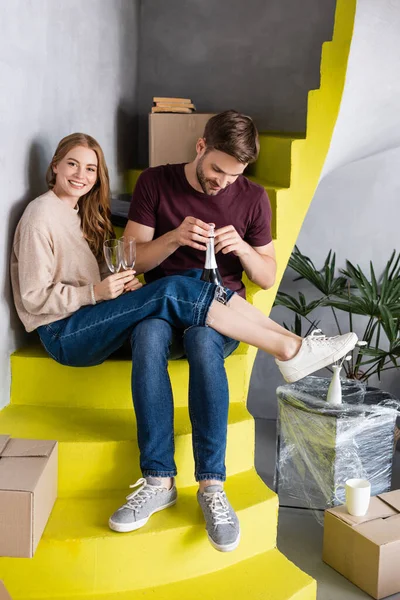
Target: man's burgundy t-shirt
point(163, 198)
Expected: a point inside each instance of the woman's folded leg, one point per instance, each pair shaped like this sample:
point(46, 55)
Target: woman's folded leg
point(92, 333)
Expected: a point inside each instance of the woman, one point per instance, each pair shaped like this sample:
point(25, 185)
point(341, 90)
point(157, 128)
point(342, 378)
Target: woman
point(82, 319)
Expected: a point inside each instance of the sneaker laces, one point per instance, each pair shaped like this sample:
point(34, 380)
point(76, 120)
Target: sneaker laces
point(219, 507)
point(139, 497)
point(318, 337)
point(316, 334)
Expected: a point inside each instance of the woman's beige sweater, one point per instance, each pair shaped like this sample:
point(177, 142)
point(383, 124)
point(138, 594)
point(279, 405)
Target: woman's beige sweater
point(52, 267)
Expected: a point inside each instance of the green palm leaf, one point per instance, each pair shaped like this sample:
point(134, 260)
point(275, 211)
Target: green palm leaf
point(299, 306)
point(355, 293)
point(324, 279)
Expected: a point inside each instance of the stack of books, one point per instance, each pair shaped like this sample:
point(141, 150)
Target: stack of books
point(172, 105)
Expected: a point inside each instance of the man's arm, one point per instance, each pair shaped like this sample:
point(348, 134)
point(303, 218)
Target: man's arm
point(258, 263)
point(150, 253)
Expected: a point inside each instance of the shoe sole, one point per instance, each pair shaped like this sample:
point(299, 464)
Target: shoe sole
point(224, 547)
point(125, 527)
point(348, 347)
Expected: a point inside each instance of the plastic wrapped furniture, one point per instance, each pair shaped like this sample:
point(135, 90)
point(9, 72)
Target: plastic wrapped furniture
point(320, 446)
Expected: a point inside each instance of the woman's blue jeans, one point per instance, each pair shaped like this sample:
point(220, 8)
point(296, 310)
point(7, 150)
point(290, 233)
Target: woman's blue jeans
point(93, 333)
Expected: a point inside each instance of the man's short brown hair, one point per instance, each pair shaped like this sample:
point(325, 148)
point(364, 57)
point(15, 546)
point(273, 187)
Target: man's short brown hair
point(233, 133)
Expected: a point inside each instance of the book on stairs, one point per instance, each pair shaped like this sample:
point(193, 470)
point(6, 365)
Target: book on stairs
point(171, 109)
point(172, 100)
point(174, 104)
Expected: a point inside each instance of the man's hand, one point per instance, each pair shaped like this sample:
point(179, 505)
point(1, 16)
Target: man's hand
point(192, 232)
point(227, 240)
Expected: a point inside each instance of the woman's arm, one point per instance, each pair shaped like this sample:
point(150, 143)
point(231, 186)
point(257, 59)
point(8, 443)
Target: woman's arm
point(40, 294)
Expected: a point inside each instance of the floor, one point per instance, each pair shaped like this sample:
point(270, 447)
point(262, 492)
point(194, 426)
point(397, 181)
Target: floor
point(299, 533)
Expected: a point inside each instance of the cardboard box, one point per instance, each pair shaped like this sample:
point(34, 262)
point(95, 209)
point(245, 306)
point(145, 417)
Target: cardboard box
point(4, 595)
point(28, 490)
point(366, 549)
point(173, 137)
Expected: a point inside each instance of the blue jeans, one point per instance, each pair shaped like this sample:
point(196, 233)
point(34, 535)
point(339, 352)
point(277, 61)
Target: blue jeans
point(148, 317)
point(92, 333)
point(154, 341)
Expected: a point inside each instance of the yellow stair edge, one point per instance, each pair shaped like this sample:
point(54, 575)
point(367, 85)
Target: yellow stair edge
point(268, 185)
point(267, 576)
point(275, 158)
point(38, 379)
point(78, 553)
point(37, 351)
point(286, 135)
point(98, 448)
point(275, 195)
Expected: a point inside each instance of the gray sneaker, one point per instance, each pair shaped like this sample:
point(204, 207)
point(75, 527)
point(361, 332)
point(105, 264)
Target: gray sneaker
point(149, 497)
point(222, 524)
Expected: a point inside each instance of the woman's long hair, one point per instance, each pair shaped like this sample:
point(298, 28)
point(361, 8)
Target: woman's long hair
point(94, 207)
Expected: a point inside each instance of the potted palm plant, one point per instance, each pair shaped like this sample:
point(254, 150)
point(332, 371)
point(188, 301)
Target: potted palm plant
point(354, 293)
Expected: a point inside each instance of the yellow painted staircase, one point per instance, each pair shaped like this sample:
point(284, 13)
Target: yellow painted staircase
point(90, 412)
point(79, 557)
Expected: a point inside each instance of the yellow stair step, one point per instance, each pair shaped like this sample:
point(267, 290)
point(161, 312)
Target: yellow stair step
point(79, 554)
point(98, 448)
point(267, 576)
point(131, 176)
point(38, 379)
point(274, 162)
point(274, 194)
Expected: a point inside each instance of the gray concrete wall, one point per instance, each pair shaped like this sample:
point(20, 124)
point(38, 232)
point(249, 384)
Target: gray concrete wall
point(260, 57)
point(356, 208)
point(64, 66)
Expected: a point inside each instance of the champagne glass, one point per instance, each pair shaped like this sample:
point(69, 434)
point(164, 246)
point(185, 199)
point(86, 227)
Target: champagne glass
point(112, 254)
point(127, 249)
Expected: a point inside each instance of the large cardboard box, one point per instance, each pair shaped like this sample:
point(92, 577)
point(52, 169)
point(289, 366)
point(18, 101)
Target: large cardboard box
point(173, 137)
point(28, 490)
point(4, 595)
point(366, 550)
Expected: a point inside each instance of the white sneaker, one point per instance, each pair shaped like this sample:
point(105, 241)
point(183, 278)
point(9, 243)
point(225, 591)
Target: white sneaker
point(316, 351)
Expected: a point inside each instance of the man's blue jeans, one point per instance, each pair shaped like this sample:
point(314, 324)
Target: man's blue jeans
point(154, 341)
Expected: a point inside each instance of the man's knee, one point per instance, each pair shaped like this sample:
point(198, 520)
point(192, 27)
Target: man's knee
point(202, 343)
point(151, 334)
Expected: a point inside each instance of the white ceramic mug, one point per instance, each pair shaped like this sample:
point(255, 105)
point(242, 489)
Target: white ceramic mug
point(358, 494)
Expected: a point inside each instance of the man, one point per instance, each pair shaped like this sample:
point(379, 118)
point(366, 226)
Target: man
point(171, 209)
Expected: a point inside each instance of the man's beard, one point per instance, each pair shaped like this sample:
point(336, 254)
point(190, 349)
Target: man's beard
point(202, 179)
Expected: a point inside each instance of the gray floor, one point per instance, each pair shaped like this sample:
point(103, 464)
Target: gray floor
point(299, 533)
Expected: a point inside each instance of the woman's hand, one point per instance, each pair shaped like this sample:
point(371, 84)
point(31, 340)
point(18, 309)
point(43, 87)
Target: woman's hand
point(133, 285)
point(113, 285)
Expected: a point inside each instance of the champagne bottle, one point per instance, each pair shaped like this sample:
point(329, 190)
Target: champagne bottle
point(210, 271)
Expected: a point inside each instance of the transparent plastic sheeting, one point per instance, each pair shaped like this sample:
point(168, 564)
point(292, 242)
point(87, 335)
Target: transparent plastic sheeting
point(320, 446)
